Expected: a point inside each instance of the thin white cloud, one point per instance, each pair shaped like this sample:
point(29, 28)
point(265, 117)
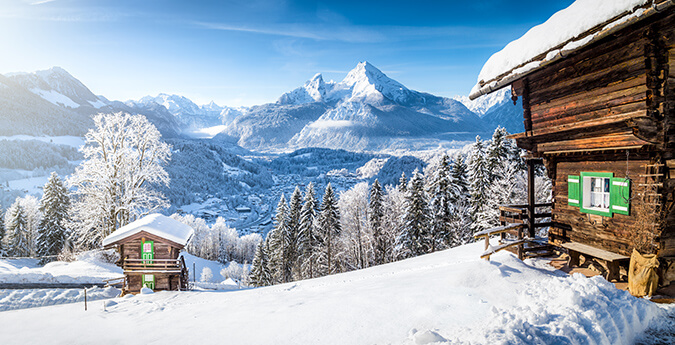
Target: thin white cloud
point(343, 33)
point(40, 2)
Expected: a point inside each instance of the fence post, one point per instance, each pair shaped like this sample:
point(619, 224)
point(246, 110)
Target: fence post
point(85, 299)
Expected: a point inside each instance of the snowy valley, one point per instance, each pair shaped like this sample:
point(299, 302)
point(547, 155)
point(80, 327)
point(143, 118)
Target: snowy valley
point(217, 163)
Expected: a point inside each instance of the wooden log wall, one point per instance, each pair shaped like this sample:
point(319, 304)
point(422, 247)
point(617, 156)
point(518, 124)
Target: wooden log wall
point(610, 233)
point(132, 250)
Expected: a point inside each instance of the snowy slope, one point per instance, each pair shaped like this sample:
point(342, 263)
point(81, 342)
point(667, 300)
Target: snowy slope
point(57, 86)
point(446, 297)
point(367, 110)
point(497, 109)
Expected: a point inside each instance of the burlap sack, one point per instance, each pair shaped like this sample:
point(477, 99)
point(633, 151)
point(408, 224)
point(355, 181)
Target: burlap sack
point(642, 277)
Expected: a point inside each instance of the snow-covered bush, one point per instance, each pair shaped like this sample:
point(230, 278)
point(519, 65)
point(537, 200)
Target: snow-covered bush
point(207, 275)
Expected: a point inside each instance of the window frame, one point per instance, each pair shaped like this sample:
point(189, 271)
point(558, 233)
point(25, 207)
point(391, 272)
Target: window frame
point(584, 193)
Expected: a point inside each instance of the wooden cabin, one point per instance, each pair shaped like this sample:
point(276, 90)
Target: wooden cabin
point(599, 112)
point(149, 250)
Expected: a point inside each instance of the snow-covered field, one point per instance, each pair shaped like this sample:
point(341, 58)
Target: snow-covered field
point(87, 269)
point(446, 297)
point(11, 299)
point(67, 140)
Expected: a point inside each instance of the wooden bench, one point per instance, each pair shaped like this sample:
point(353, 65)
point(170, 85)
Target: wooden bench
point(611, 259)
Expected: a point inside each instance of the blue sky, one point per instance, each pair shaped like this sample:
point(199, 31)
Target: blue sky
point(250, 52)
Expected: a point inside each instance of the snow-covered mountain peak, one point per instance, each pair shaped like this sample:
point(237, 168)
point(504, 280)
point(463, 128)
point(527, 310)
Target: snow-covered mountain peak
point(314, 90)
point(369, 84)
point(484, 103)
point(57, 86)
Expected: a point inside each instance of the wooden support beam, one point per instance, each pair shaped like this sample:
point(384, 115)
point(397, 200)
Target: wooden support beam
point(530, 197)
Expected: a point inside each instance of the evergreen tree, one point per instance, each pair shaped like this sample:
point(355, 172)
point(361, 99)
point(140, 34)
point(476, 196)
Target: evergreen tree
point(441, 206)
point(459, 186)
point(260, 273)
point(328, 232)
point(480, 181)
point(295, 208)
point(280, 244)
point(497, 151)
point(402, 183)
point(54, 207)
point(307, 240)
point(415, 237)
point(375, 218)
point(17, 234)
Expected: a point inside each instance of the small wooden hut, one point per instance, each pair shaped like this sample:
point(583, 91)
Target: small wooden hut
point(149, 250)
point(598, 93)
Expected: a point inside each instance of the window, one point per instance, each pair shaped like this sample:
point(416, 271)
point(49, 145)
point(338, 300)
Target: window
point(599, 193)
point(596, 193)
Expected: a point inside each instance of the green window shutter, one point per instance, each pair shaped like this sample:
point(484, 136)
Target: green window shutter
point(573, 189)
point(619, 194)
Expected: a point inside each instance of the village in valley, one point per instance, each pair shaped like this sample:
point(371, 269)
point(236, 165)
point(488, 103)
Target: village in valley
point(539, 209)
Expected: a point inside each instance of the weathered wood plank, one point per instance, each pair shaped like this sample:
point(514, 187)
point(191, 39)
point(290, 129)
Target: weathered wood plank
point(497, 230)
point(600, 143)
point(594, 252)
point(602, 121)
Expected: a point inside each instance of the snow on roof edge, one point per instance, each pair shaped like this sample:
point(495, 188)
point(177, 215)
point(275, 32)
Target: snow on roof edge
point(640, 10)
point(155, 224)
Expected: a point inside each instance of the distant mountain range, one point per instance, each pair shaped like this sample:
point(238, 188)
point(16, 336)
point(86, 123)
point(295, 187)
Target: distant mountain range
point(367, 110)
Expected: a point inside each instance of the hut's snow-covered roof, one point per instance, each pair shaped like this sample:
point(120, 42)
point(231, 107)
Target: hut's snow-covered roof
point(155, 224)
point(576, 26)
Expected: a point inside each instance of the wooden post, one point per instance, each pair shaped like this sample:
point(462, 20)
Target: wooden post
point(530, 197)
point(85, 299)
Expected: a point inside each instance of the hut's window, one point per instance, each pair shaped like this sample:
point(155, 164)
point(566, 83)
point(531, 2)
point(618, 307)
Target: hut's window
point(599, 193)
point(596, 190)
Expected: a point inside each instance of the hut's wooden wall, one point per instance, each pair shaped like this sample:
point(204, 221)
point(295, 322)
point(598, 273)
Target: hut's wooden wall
point(611, 233)
point(610, 79)
point(132, 249)
point(162, 282)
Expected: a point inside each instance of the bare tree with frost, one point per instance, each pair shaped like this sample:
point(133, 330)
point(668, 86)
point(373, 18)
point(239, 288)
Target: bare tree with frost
point(118, 179)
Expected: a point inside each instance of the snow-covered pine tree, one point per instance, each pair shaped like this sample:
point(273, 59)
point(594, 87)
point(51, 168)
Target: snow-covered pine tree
point(17, 234)
point(328, 231)
point(440, 206)
point(375, 219)
point(117, 181)
point(260, 273)
point(459, 186)
point(479, 181)
point(415, 236)
point(294, 210)
point(279, 244)
point(497, 151)
point(54, 205)
point(307, 240)
point(402, 183)
point(506, 189)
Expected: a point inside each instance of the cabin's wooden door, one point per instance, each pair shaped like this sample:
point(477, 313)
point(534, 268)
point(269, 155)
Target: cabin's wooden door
point(148, 252)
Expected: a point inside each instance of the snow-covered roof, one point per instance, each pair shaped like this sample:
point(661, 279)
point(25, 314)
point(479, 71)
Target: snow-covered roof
point(583, 22)
point(155, 224)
